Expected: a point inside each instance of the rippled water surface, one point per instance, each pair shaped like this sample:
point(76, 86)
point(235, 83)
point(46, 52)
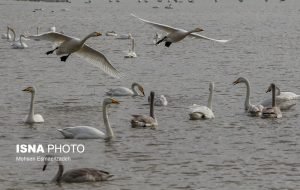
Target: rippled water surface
point(233, 151)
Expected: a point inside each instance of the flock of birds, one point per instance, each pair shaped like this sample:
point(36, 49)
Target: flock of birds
point(67, 46)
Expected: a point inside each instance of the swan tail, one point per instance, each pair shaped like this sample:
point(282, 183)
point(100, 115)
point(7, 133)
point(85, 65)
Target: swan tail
point(196, 116)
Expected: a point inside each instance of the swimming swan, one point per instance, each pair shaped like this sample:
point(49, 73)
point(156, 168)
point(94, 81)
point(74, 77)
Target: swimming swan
point(159, 100)
point(203, 112)
point(31, 117)
point(274, 111)
point(253, 110)
point(69, 45)
point(176, 34)
point(76, 175)
point(284, 100)
point(145, 120)
point(87, 132)
point(123, 91)
point(131, 53)
point(19, 44)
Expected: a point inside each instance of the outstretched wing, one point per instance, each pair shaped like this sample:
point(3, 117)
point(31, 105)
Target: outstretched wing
point(163, 27)
point(206, 38)
point(97, 59)
point(51, 36)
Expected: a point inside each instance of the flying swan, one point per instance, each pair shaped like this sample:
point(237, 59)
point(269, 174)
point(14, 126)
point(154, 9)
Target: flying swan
point(87, 132)
point(145, 120)
point(176, 34)
point(253, 110)
point(69, 45)
point(274, 110)
point(31, 117)
point(123, 91)
point(76, 175)
point(203, 112)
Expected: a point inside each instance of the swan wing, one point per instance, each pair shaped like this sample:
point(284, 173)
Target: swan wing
point(143, 121)
point(81, 132)
point(97, 59)
point(289, 95)
point(202, 110)
point(206, 38)
point(85, 175)
point(51, 36)
point(162, 27)
point(120, 91)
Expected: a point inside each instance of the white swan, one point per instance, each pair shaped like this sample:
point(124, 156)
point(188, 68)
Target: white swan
point(123, 91)
point(31, 117)
point(284, 100)
point(69, 45)
point(145, 120)
point(253, 110)
point(131, 53)
point(274, 110)
point(7, 35)
point(87, 132)
point(176, 34)
point(76, 175)
point(203, 112)
point(159, 100)
point(19, 44)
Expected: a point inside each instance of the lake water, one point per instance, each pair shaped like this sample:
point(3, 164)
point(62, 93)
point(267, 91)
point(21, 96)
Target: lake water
point(232, 151)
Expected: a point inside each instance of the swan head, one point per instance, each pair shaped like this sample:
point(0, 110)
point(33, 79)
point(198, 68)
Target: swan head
point(272, 86)
point(198, 30)
point(211, 86)
point(110, 101)
point(94, 34)
point(47, 159)
point(30, 89)
point(239, 80)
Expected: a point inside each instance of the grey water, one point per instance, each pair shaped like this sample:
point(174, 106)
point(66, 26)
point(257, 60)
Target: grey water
point(232, 151)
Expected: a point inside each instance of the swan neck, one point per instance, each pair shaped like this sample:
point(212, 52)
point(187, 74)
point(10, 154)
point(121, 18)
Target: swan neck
point(132, 44)
point(84, 39)
point(31, 110)
point(209, 104)
point(109, 131)
point(247, 100)
point(135, 93)
point(59, 173)
point(14, 34)
point(191, 31)
point(273, 96)
point(152, 108)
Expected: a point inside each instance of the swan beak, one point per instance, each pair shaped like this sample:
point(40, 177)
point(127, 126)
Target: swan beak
point(268, 90)
point(114, 101)
point(44, 167)
point(26, 89)
point(235, 82)
point(98, 34)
